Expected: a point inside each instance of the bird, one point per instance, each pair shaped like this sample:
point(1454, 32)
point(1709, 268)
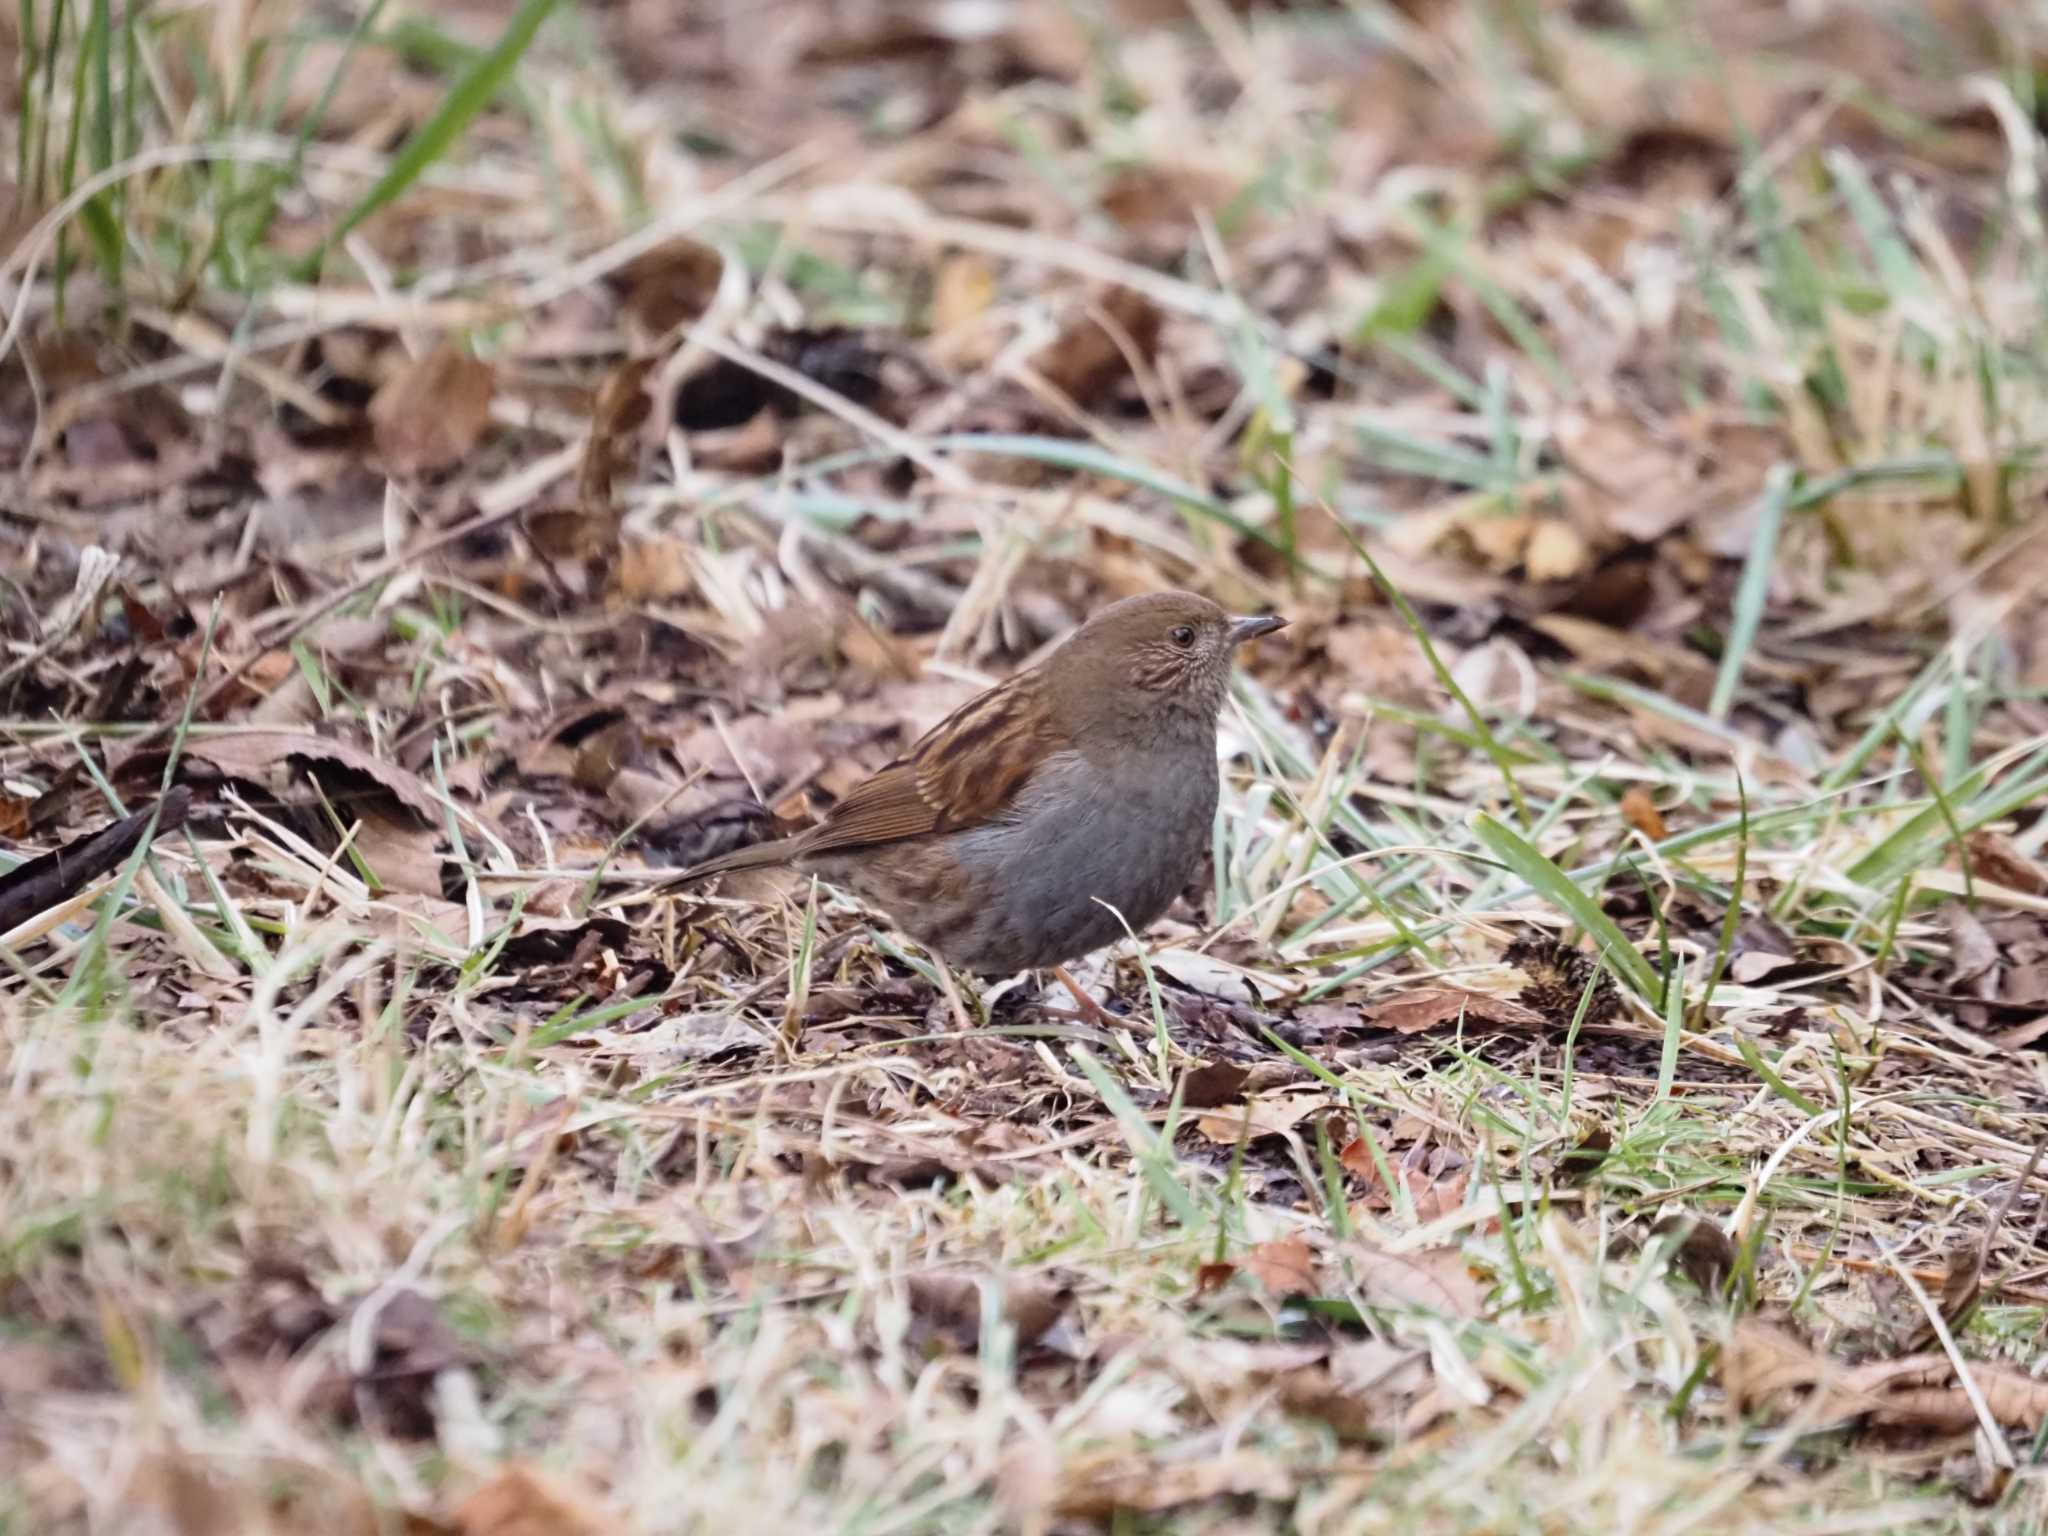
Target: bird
point(1029, 826)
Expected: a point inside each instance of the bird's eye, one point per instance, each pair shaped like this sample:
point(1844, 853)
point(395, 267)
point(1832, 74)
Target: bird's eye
point(1183, 635)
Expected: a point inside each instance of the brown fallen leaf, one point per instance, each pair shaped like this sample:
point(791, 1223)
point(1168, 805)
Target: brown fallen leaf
point(1700, 1251)
point(1212, 1084)
point(1269, 1117)
point(1556, 551)
point(170, 1493)
point(256, 755)
point(1921, 1392)
point(1430, 1280)
point(673, 283)
point(1093, 355)
point(433, 411)
point(1766, 1367)
point(1422, 1008)
point(1285, 1267)
point(522, 1501)
point(1627, 478)
point(1996, 858)
point(947, 1306)
point(1973, 952)
point(1435, 1187)
point(1213, 1277)
point(962, 290)
point(621, 410)
point(1962, 1286)
point(1640, 812)
point(1098, 1486)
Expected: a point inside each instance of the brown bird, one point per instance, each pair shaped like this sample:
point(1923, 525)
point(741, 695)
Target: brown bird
point(1004, 838)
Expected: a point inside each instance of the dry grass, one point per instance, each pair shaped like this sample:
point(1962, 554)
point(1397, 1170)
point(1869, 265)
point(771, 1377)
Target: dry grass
point(1637, 408)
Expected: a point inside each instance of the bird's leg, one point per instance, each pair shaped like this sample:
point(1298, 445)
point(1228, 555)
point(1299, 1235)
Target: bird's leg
point(1091, 1010)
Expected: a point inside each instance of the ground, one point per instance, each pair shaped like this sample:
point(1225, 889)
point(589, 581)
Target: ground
point(460, 458)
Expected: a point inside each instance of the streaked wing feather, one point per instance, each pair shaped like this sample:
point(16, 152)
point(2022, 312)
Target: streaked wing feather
point(962, 772)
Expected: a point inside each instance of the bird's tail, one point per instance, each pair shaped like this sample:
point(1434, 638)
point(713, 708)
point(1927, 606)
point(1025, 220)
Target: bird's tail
point(754, 856)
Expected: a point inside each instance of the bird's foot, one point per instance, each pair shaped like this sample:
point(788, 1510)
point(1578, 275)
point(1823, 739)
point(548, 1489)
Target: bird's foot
point(1090, 1010)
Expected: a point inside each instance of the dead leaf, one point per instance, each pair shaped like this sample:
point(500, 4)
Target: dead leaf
point(1423, 1008)
point(433, 411)
point(668, 286)
point(1430, 1280)
point(169, 1495)
point(1214, 1083)
point(523, 1501)
point(1996, 858)
point(1921, 1392)
point(1766, 1367)
point(1269, 1117)
point(1285, 1267)
point(962, 290)
point(1701, 1251)
point(948, 1305)
point(256, 755)
point(1627, 480)
point(1763, 1363)
point(1640, 812)
point(1098, 1486)
point(1213, 1277)
point(1436, 1178)
point(620, 412)
point(1090, 358)
point(1973, 953)
point(1556, 551)
point(404, 854)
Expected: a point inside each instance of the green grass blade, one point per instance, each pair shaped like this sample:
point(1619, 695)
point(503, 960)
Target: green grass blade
point(1751, 595)
point(467, 97)
point(1562, 892)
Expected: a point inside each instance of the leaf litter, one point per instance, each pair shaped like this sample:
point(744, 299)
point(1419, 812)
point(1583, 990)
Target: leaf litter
point(532, 482)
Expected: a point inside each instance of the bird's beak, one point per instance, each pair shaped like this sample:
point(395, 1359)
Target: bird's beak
point(1253, 626)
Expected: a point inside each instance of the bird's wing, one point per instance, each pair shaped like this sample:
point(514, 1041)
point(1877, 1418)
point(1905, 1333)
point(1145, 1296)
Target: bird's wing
point(963, 772)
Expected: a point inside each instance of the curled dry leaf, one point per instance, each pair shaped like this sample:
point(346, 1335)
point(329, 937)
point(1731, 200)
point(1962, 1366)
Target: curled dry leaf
point(1996, 858)
point(670, 285)
point(256, 755)
point(521, 1501)
point(433, 411)
point(1435, 1186)
point(1921, 1392)
point(948, 1306)
point(1423, 1008)
point(1626, 481)
point(1269, 1117)
point(620, 412)
point(1973, 952)
point(1212, 1084)
point(962, 290)
point(1556, 551)
point(1090, 358)
point(1096, 1487)
point(1700, 1251)
point(1766, 1367)
point(1430, 1280)
point(1640, 812)
point(1285, 1267)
